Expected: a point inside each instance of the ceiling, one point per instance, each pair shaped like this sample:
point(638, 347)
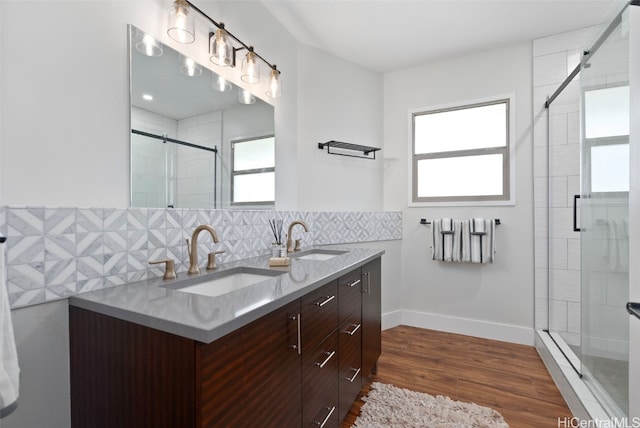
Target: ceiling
point(388, 35)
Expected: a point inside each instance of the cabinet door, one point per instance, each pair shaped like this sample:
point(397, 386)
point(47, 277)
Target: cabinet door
point(251, 377)
point(350, 340)
point(349, 294)
point(273, 370)
point(221, 388)
point(320, 384)
point(371, 316)
point(319, 315)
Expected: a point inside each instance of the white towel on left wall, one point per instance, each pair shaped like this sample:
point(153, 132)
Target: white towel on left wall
point(9, 370)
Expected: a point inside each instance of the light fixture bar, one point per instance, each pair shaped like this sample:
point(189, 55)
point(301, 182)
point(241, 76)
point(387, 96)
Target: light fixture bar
point(230, 34)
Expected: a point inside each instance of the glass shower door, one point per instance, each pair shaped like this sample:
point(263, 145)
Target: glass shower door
point(604, 220)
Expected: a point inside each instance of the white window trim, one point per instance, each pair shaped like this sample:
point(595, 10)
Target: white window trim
point(512, 153)
point(234, 173)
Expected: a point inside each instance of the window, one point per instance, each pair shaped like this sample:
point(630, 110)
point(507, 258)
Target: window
point(461, 154)
point(606, 132)
point(253, 171)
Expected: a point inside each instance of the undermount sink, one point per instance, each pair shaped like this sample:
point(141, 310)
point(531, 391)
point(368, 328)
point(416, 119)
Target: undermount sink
point(227, 281)
point(317, 255)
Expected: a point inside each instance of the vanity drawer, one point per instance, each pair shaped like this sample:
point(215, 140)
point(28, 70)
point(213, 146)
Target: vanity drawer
point(320, 384)
point(350, 363)
point(319, 315)
point(349, 294)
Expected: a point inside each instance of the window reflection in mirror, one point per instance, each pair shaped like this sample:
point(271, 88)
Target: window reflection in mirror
point(183, 129)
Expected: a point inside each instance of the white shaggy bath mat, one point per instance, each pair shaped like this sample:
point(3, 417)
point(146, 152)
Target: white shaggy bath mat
point(387, 406)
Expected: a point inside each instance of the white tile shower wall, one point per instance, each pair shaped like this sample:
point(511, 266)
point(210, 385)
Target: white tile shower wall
point(195, 179)
point(53, 253)
point(149, 157)
point(554, 58)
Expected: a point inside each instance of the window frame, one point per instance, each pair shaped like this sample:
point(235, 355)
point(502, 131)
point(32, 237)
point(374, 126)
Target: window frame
point(508, 156)
point(235, 173)
point(592, 142)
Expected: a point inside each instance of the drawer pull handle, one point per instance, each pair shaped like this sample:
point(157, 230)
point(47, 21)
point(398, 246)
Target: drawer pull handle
point(326, 300)
point(354, 283)
point(298, 346)
point(355, 375)
point(326, 419)
point(368, 289)
point(356, 327)
point(326, 360)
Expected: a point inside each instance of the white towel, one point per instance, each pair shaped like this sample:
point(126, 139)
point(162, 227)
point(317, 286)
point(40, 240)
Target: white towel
point(616, 236)
point(445, 240)
point(9, 370)
point(478, 240)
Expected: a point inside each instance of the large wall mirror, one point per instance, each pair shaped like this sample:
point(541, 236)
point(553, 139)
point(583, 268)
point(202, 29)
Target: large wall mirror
point(197, 141)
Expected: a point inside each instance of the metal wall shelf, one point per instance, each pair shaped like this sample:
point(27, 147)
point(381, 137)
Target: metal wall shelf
point(366, 150)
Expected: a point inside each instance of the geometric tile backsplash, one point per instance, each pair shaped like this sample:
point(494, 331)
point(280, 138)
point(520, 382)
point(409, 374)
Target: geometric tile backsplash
point(53, 253)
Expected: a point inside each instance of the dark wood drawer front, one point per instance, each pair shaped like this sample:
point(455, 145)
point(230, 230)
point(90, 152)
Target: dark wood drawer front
point(320, 384)
point(350, 363)
point(319, 315)
point(349, 294)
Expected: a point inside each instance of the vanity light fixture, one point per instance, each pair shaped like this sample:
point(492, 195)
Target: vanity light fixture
point(245, 97)
point(250, 69)
point(221, 49)
point(275, 89)
point(223, 46)
point(182, 22)
point(146, 44)
point(220, 84)
point(189, 67)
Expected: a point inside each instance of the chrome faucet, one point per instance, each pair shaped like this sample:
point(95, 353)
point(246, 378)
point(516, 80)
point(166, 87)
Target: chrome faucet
point(290, 247)
point(193, 252)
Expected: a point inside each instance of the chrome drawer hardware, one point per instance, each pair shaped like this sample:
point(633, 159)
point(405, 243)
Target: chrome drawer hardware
point(326, 419)
point(355, 375)
point(326, 300)
point(298, 346)
point(354, 283)
point(356, 328)
point(368, 289)
point(329, 357)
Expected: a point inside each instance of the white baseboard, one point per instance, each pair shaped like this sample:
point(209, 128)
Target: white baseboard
point(466, 326)
point(391, 319)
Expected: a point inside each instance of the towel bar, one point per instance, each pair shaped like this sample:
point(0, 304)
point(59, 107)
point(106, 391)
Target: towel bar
point(424, 221)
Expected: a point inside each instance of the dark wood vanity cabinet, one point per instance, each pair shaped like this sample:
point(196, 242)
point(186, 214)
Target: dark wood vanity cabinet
point(371, 317)
point(298, 366)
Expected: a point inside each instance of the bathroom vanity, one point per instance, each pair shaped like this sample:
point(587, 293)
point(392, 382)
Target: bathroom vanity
point(292, 350)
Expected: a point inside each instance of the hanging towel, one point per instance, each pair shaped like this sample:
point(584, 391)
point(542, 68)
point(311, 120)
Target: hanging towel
point(445, 240)
point(9, 371)
point(478, 240)
point(616, 240)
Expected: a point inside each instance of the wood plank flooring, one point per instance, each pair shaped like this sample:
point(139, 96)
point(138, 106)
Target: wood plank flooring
point(509, 378)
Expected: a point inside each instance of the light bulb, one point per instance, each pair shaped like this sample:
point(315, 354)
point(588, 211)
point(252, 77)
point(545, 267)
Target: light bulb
point(274, 89)
point(220, 84)
point(220, 48)
point(250, 69)
point(189, 67)
point(246, 97)
point(181, 22)
point(146, 44)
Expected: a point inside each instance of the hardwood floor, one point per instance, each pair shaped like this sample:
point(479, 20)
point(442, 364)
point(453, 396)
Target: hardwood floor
point(509, 378)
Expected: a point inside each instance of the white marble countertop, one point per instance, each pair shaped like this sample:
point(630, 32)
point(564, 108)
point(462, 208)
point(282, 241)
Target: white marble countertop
point(203, 318)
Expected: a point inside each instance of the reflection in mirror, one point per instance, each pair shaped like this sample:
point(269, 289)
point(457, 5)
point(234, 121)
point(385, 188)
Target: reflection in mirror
point(194, 142)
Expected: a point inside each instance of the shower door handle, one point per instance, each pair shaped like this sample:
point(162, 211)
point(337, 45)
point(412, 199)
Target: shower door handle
point(634, 309)
point(575, 213)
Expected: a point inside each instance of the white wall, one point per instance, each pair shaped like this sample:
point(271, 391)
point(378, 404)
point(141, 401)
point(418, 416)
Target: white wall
point(343, 102)
point(490, 300)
